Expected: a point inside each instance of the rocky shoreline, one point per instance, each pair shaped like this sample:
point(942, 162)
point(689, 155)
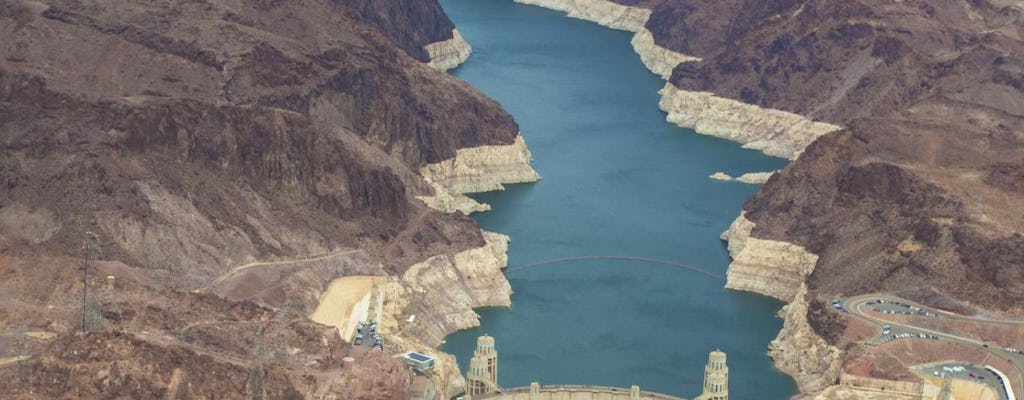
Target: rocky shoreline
point(442, 292)
point(753, 178)
point(897, 125)
point(474, 170)
point(448, 54)
point(756, 262)
point(779, 269)
point(774, 132)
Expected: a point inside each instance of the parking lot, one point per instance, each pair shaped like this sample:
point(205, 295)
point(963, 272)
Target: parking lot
point(895, 307)
point(966, 372)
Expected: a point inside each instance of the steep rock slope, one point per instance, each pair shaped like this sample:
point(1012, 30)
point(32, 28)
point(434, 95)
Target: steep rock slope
point(419, 27)
point(192, 138)
point(904, 120)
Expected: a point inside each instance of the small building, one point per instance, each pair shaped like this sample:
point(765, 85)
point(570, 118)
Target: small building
point(420, 362)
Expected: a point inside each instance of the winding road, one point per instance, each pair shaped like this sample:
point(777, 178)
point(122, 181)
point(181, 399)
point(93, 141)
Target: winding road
point(856, 306)
point(236, 270)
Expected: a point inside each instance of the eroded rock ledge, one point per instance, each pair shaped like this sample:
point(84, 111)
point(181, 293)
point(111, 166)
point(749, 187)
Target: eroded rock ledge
point(753, 178)
point(774, 132)
point(477, 169)
point(658, 59)
point(448, 54)
point(602, 12)
point(800, 352)
point(442, 292)
point(778, 269)
point(769, 267)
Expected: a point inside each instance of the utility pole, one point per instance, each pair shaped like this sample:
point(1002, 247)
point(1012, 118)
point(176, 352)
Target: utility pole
point(85, 278)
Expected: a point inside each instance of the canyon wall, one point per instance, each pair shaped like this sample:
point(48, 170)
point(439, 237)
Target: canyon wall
point(192, 139)
point(800, 352)
point(657, 59)
point(779, 269)
point(474, 170)
point(449, 53)
point(774, 132)
point(442, 292)
point(769, 267)
point(603, 12)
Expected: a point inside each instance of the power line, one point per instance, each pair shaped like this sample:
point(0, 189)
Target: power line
point(648, 260)
point(85, 278)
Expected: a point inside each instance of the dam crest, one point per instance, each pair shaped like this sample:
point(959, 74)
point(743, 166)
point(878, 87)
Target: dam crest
point(482, 382)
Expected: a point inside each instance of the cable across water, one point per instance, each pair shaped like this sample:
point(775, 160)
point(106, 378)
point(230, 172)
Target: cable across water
point(674, 264)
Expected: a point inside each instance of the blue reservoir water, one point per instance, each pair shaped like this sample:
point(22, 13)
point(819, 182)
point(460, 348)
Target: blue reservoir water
point(618, 180)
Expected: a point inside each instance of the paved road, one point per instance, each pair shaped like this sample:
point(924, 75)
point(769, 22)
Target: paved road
point(856, 306)
point(234, 271)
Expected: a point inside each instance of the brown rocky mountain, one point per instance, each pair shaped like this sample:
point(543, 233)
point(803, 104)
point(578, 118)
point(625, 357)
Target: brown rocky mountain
point(922, 187)
point(193, 137)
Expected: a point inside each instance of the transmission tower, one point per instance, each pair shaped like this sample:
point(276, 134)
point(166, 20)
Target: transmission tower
point(89, 236)
point(256, 371)
point(945, 393)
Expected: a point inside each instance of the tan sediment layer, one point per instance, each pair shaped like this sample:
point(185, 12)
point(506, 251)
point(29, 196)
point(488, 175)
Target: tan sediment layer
point(442, 292)
point(777, 269)
point(750, 177)
point(657, 59)
point(774, 132)
point(477, 169)
point(800, 352)
point(769, 267)
point(602, 12)
point(448, 54)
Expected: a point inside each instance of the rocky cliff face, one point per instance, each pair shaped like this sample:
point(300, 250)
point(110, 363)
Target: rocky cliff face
point(441, 293)
point(912, 194)
point(800, 352)
point(769, 267)
point(190, 139)
point(448, 54)
point(775, 132)
point(411, 24)
point(779, 269)
point(474, 170)
point(627, 17)
point(604, 12)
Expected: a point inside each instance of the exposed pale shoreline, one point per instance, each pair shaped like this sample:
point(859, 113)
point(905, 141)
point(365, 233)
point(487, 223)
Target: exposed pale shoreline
point(775, 132)
point(442, 292)
point(772, 268)
point(474, 170)
point(778, 269)
point(448, 54)
point(754, 178)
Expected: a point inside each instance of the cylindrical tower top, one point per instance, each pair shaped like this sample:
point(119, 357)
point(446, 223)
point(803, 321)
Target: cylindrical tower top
point(485, 346)
point(477, 366)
